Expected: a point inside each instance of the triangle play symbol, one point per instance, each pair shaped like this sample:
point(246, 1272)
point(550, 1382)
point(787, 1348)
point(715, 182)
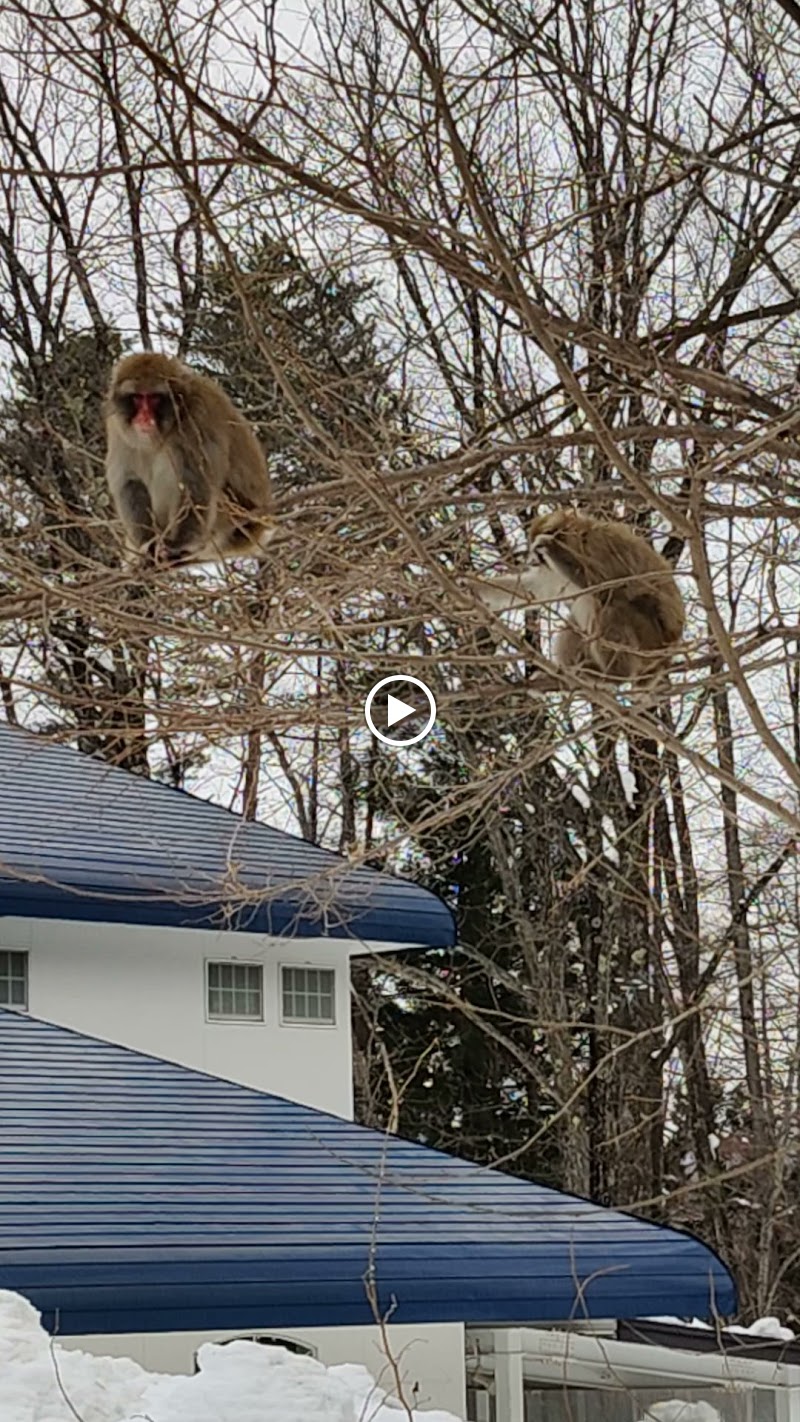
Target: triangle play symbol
point(397, 710)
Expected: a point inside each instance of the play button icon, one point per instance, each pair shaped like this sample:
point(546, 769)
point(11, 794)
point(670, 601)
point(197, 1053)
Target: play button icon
point(416, 710)
point(397, 710)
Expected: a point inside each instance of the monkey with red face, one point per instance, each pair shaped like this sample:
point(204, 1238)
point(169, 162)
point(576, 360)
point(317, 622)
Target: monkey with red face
point(187, 476)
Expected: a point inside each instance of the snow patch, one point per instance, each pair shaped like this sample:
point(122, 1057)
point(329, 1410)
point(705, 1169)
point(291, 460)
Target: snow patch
point(676, 1411)
point(100, 1389)
point(762, 1328)
point(237, 1382)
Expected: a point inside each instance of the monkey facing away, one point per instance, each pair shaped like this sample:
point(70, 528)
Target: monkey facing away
point(626, 613)
point(188, 477)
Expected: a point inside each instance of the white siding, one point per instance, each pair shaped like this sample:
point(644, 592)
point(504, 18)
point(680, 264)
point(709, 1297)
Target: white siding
point(429, 1357)
point(145, 988)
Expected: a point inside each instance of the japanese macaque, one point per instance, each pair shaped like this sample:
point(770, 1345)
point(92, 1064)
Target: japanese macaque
point(188, 477)
point(626, 613)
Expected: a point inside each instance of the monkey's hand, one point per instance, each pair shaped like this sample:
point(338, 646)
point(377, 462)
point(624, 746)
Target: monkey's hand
point(171, 555)
point(141, 555)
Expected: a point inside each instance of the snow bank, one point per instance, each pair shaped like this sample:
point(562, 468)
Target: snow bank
point(237, 1382)
point(100, 1389)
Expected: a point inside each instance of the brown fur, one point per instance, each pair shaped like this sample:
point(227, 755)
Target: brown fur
point(628, 625)
point(204, 470)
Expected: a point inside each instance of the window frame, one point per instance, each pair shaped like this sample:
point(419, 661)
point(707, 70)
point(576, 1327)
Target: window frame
point(232, 1019)
point(327, 1024)
point(295, 1346)
point(18, 1006)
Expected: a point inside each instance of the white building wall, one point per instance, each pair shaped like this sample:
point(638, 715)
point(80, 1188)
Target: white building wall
point(144, 988)
point(429, 1358)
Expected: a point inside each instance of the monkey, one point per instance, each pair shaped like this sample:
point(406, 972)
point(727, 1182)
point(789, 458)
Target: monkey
point(627, 614)
point(187, 476)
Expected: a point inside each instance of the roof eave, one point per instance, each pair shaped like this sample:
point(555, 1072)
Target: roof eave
point(367, 929)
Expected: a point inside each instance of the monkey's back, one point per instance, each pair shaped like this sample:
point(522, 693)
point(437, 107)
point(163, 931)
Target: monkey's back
point(247, 462)
point(646, 594)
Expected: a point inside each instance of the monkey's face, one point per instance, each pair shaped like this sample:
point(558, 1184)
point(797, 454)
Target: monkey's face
point(543, 532)
point(147, 414)
point(549, 572)
point(541, 540)
point(536, 550)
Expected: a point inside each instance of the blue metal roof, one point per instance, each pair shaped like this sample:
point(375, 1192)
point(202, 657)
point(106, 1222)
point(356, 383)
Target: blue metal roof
point(80, 839)
point(136, 1195)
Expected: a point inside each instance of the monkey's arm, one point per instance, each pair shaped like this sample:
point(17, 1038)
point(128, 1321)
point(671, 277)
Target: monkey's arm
point(504, 591)
point(195, 509)
point(136, 511)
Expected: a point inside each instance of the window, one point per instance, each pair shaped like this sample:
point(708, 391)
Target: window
point(235, 991)
point(292, 1345)
point(307, 995)
point(274, 1340)
point(13, 979)
point(551, 1403)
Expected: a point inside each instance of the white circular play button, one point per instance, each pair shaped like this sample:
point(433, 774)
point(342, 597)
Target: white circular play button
point(413, 705)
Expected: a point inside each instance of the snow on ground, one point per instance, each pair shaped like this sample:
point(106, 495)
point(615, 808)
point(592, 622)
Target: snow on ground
point(237, 1382)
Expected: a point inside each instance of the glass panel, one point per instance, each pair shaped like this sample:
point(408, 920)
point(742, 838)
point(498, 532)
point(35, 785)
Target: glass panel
point(13, 978)
point(480, 1405)
point(764, 1405)
point(235, 990)
point(557, 1404)
point(308, 995)
point(669, 1404)
point(727, 1405)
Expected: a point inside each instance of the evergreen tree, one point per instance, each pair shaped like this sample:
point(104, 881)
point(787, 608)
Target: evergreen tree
point(318, 327)
point(296, 348)
point(543, 1039)
point(466, 1056)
